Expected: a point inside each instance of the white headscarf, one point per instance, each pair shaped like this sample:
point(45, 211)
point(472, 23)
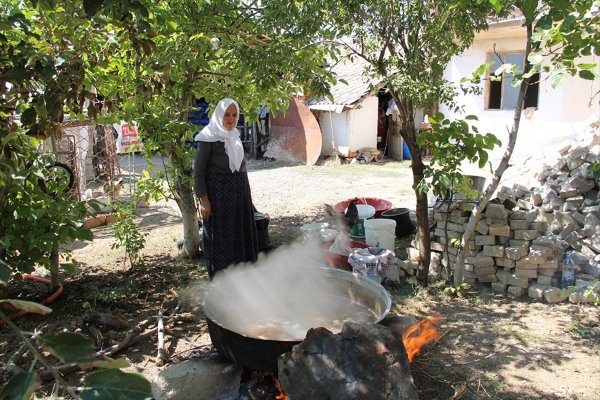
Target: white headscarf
point(215, 131)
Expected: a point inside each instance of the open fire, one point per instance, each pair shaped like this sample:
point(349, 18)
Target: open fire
point(418, 335)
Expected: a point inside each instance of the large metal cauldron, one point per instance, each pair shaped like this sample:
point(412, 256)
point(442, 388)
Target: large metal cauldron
point(260, 353)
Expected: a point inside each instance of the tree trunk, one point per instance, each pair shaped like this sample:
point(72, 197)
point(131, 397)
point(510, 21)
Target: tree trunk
point(459, 267)
point(423, 233)
point(184, 195)
point(409, 134)
point(54, 266)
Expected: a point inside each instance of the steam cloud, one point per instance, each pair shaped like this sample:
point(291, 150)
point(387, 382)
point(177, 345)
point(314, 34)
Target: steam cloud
point(282, 295)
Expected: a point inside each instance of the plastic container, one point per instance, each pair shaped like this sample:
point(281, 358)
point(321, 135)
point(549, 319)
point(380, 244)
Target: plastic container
point(313, 231)
point(365, 212)
point(404, 225)
point(381, 233)
point(262, 230)
point(340, 261)
point(568, 272)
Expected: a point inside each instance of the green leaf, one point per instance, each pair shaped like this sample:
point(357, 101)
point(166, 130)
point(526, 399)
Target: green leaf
point(544, 23)
point(114, 384)
point(21, 386)
point(497, 5)
point(560, 4)
point(28, 116)
point(91, 7)
point(69, 268)
point(587, 74)
point(558, 79)
point(586, 65)
point(529, 9)
point(68, 346)
point(27, 306)
point(535, 58)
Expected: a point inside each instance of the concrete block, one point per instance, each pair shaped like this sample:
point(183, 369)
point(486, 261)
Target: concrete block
point(485, 240)
point(503, 230)
point(481, 227)
point(526, 273)
point(544, 280)
point(517, 281)
point(519, 224)
point(499, 287)
point(538, 226)
point(554, 295)
point(483, 261)
point(526, 265)
point(516, 291)
point(526, 234)
point(536, 291)
point(516, 253)
point(496, 221)
point(493, 251)
point(488, 278)
point(496, 211)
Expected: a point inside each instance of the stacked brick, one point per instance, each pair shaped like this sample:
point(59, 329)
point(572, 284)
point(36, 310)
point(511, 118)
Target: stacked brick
point(519, 242)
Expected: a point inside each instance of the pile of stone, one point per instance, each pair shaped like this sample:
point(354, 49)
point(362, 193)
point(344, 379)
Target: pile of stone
point(519, 243)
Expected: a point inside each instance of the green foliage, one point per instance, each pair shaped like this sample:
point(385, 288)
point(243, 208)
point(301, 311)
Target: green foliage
point(410, 43)
point(460, 290)
point(565, 32)
point(451, 143)
point(128, 235)
point(22, 386)
point(116, 385)
point(34, 218)
point(69, 347)
point(457, 290)
point(594, 169)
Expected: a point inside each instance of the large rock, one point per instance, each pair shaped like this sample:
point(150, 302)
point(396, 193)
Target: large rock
point(211, 377)
point(364, 361)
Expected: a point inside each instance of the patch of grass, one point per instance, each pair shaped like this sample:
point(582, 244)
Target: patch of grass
point(114, 295)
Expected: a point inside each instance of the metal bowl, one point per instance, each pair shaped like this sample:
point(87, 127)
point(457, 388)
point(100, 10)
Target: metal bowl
point(260, 352)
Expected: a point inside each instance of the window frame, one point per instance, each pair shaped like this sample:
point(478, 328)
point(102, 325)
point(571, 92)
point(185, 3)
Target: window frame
point(493, 56)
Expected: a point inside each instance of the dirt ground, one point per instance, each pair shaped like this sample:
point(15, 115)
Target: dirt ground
point(492, 346)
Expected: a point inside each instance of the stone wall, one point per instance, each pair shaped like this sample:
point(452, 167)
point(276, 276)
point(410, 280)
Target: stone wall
point(518, 246)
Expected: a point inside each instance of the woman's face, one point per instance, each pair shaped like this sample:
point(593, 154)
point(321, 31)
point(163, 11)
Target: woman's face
point(230, 117)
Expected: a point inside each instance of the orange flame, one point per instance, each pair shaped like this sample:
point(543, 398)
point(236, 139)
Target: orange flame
point(281, 395)
point(418, 335)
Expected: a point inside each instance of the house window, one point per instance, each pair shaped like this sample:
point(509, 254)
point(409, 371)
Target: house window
point(501, 95)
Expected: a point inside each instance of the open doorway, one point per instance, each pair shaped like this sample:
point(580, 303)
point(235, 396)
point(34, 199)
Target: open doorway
point(384, 98)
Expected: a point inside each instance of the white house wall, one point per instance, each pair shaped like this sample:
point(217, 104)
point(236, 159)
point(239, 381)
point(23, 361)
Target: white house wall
point(362, 123)
point(350, 130)
point(334, 128)
point(562, 113)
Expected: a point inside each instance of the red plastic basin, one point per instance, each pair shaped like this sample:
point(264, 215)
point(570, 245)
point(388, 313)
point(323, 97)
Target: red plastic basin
point(380, 205)
point(339, 261)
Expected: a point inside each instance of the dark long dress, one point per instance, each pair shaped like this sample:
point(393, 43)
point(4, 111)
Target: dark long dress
point(229, 235)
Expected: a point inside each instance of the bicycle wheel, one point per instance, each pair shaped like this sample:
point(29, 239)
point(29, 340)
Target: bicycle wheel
point(59, 179)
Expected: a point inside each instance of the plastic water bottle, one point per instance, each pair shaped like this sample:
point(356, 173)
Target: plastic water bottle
point(568, 272)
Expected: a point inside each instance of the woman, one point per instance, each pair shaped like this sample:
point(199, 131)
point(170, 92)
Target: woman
point(222, 187)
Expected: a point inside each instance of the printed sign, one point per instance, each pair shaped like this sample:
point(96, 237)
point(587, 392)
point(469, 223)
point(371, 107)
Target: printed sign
point(128, 140)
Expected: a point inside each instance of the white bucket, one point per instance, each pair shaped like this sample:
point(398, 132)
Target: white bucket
point(381, 232)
